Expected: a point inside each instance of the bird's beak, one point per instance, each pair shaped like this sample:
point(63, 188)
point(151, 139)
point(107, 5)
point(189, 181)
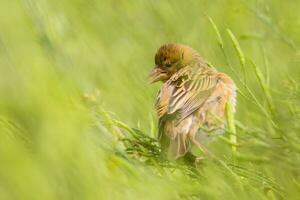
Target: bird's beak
point(157, 74)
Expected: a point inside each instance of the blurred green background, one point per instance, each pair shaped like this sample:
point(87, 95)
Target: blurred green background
point(72, 72)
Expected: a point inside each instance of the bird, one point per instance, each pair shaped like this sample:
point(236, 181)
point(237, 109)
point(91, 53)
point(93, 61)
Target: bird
point(191, 104)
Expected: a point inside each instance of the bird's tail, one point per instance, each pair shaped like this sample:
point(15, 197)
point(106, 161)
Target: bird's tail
point(178, 147)
point(173, 146)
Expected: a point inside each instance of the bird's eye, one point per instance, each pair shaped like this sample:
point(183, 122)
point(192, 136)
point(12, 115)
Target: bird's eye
point(168, 65)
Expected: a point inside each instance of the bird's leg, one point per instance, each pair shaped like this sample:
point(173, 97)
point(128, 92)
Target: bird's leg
point(192, 137)
point(201, 147)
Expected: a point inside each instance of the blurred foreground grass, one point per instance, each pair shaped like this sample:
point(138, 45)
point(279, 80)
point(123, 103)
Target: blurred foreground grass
point(76, 114)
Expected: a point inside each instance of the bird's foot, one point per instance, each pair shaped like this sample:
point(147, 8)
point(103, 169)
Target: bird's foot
point(199, 160)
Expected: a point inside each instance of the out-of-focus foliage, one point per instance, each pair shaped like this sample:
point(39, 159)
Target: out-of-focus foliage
point(76, 113)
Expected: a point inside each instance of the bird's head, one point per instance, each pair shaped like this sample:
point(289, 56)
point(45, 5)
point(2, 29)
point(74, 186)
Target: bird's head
point(170, 58)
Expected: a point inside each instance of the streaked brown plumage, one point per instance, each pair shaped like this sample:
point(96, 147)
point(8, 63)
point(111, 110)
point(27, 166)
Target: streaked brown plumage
point(192, 99)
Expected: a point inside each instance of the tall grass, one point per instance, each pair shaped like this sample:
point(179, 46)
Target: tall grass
point(76, 113)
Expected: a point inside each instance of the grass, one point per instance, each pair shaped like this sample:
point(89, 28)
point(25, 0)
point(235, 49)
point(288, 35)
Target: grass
point(76, 113)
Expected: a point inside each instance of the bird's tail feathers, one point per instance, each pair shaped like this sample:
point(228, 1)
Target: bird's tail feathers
point(178, 147)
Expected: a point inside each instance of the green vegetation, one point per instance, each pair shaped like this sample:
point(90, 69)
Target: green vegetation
point(76, 112)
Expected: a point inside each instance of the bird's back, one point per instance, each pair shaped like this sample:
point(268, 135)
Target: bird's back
point(190, 103)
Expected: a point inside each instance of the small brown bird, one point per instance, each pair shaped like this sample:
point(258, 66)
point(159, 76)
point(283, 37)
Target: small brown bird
point(191, 103)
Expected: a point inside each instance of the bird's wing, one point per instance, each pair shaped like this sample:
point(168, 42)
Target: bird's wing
point(185, 92)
